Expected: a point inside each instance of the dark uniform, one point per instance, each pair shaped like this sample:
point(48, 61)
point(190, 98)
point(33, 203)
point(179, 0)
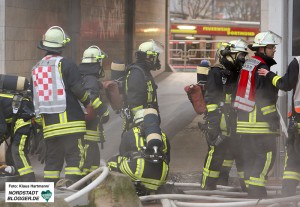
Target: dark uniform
point(291, 174)
point(94, 126)
point(140, 89)
point(259, 129)
point(221, 120)
point(139, 168)
point(17, 153)
point(63, 132)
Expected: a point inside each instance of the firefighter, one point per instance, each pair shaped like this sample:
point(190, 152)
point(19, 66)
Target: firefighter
point(17, 126)
point(57, 91)
point(91, 70)
point(221, 82)
point(140, 88)
point(257, 117)
point(144, 153)
point(290, 81)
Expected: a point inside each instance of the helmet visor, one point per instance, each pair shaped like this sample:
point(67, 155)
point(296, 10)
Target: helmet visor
point(157, 46)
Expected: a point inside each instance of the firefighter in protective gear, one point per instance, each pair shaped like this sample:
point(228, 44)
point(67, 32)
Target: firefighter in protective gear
point(144, 153)
point(290, 81)
point(221, 139)
point(140, 88)
point(59, 99)
point(257, 117)
point(18, 129)
point(91, 70)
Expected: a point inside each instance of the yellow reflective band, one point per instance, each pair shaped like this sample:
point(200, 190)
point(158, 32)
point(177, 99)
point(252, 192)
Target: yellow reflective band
point(84, 98)
point(241, 175)
point(165, 170)
point(275, 79)
point(21, 150)
point(140, 166)
point(211, 173)
point(268, 109)
point(96, 103)
point(63, 117)
point(255, 131)
point(106, 113)
point(291, 175)
point(252, 125)
point(257, 181)
point(72, 124)
point(252, 115)
point(266, 166)
point(211, 107)
point(25, 170)
point(227, 163)
point(6, 95)
point(51, 174)
point(59, 69)
point(64, 131)
point(228, 98)
point(112, 164)
point(149, 92)
point(20, 123)
point(72, 171)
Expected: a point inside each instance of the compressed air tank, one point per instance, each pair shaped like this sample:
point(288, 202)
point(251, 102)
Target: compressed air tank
point(117, 70)
point(13, 83)
point(152, 129)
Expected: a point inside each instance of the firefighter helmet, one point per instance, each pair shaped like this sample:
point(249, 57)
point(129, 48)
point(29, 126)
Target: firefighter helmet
point(93, 55)
point(238, 46)
point(149, 52)
point(54, 39)
point(263, 39)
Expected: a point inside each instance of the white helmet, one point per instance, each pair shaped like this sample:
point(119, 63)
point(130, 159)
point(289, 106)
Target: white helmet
point(151, 47)
point(55, 37)
point(238, 46)
point(263, 39)
point(93, 55)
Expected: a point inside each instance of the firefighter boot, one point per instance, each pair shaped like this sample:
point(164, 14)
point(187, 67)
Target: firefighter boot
point(257, 192)
point(224, 176)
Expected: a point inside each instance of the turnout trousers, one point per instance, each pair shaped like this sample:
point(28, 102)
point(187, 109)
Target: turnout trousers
point(291, 174)
point(60, 150)
point(92, 156)
point(259, 156)
point(218, 163)
point(19, 151)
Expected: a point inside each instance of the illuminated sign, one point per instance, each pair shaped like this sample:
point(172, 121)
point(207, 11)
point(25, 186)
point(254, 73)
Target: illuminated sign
point(218, 30)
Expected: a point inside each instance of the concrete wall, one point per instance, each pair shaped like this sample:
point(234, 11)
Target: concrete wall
point(87, 22)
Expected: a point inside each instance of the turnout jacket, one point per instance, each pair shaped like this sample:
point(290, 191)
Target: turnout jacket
point(220, 86)
point(140, 88)
point(71, 121)
point(6, 116)
point(290, 81)
point(263, 119)
point(90, 73)
point(130, 162)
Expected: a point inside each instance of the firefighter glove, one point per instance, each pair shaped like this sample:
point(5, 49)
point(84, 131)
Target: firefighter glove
point(215, 140)
point(273, 121)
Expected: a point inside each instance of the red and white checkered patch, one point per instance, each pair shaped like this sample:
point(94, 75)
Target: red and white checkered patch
point(42, 80)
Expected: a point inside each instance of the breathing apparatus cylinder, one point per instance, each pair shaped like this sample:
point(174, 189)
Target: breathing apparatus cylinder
point(13, 83)
point(202, 72)
point(152, 129)
point(117, 70)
